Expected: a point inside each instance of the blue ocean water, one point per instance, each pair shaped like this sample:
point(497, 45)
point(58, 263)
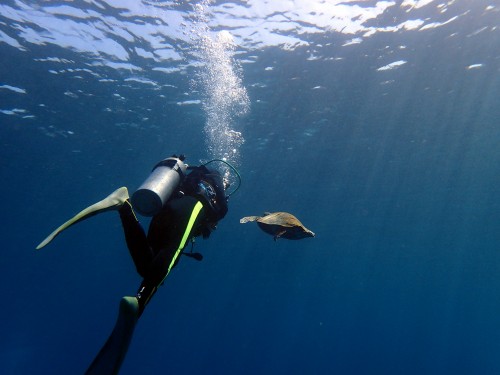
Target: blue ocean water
point(374, 122)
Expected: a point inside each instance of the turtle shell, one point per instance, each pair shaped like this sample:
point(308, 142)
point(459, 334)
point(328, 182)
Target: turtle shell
point(283, 219)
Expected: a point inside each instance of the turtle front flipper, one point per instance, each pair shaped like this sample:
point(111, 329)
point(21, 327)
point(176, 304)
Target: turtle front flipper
point(248, 219)
point(279, 234)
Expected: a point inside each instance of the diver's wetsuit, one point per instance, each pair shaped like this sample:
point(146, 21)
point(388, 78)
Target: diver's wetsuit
point(193, 210)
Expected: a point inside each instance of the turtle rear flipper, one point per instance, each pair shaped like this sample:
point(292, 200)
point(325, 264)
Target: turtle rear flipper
point(248, 219)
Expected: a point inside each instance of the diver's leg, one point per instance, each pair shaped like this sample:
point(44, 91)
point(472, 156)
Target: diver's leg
point(156, 273)
point(136, 239)
point(144, 294)
point(169, 233)
point(166, 233)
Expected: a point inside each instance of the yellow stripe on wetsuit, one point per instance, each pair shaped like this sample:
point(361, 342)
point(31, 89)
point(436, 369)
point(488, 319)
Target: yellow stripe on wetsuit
point(194, 214)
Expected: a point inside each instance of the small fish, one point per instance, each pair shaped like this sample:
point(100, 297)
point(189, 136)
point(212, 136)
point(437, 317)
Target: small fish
point(280, 225)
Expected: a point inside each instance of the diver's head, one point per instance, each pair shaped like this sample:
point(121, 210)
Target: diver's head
point(223, 179)
point(217, 180)
point(207, 185)
point(212, 188)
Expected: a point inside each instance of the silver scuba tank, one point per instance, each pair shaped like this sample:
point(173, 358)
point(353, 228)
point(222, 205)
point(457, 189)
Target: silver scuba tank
point(155, 191)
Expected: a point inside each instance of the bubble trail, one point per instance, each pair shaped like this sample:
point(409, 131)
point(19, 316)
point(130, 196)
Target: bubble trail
point(224, 98)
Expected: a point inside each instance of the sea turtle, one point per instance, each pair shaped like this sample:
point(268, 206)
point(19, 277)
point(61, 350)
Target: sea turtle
point(280, 225)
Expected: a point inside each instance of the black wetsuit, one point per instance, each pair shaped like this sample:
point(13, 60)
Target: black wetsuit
point(170, 230)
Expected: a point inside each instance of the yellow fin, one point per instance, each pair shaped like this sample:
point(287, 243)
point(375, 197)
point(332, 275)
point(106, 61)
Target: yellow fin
point(112, 202)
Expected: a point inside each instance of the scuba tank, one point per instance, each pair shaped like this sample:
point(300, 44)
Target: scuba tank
point(155, 191)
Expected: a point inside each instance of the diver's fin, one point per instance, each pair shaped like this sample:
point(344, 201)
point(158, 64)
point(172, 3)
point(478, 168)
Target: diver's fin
point(112, 202)
point(111, 356)
point(248, 219)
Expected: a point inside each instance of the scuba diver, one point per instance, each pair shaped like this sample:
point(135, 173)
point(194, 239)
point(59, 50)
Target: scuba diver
point(183, 205)
point(185, 202)
point(192, 210)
